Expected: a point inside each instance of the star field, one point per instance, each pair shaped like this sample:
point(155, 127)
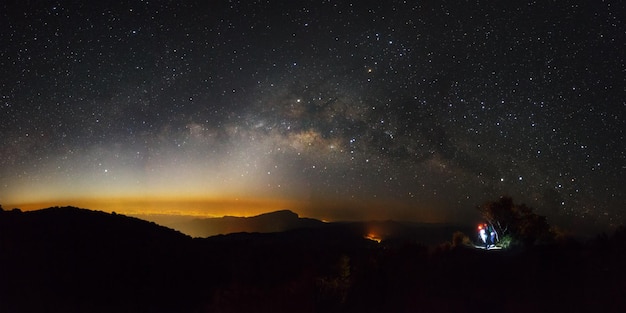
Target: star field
point(337, 109)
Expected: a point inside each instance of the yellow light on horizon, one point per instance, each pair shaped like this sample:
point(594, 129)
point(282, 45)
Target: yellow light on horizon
point(182, 206)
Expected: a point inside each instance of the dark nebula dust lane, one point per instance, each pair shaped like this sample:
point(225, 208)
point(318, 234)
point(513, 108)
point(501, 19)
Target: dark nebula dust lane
point(334, 109)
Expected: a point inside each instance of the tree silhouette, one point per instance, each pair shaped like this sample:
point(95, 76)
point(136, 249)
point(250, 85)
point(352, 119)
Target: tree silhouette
point(516, 221)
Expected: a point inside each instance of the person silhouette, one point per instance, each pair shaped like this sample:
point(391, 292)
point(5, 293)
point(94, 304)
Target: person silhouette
point(482, 232)
point(492, 235)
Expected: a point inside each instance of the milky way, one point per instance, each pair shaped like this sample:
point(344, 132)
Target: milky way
point(370, 109)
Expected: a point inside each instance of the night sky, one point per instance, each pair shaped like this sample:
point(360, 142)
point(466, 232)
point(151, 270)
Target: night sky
point(408, 110)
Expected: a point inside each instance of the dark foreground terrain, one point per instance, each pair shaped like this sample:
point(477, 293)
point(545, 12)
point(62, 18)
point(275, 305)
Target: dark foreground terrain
point(74, 260)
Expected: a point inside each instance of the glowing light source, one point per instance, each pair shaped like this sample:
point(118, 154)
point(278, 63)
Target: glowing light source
point(373, 237)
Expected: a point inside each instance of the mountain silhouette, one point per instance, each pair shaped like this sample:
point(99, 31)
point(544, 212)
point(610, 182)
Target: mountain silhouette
point(277, 221)
point(70, 259)
point(66, 259)
point(77, 260)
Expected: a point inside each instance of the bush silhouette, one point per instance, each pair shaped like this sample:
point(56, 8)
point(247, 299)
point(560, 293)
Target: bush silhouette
point(460, 239)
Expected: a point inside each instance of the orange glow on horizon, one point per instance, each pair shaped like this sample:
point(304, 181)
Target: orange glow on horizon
point(232, 205)
point(190, 206)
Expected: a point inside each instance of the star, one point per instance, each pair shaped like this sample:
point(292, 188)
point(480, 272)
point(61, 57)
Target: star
point(433, 110)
